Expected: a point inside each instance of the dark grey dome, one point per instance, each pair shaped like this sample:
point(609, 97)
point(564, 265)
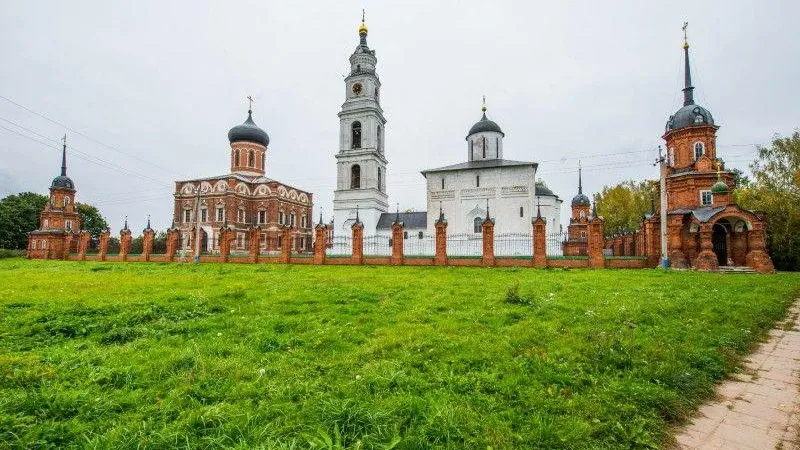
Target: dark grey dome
point(689, 115)
point(581, 200)
point(544, 191)
point(248, 132)
point(485, 125)
point(63, 182)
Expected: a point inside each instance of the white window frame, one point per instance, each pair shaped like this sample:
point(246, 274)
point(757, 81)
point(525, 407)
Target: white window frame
point(203, 214)
point(281, 217)
point(68, 225)
point(220, 213)
point(702, 149)
point(710, 198)
point(241, 215)
point(262, 216)
point(187, 215)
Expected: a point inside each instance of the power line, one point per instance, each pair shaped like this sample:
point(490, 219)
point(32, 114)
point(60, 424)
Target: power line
point(85, 136)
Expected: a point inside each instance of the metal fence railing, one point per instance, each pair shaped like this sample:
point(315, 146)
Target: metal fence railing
point(465, 244)
point(419, 244)
point(555, 243)
point(340, 246)
point(377, 245)
point(513, 244)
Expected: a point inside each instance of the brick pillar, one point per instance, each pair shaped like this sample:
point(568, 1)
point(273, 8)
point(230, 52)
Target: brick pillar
point(594, 243)
point(286, 245)
point(254, 243)
point(103, 245)
point(397, 243)
point(320, 236)
point(83, 244)
point(757, 256)
point(67, 243)
point(147, 243)
point(226, 236)
point(677, 258)
point(358, 243)
point(488, 242)
point(124, 244)
point(440, 258)
point(706, 259)
point(539, 242)
point(652, 242)
point(173, 237)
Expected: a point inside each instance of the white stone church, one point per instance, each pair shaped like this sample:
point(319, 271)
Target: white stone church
point(461, 191)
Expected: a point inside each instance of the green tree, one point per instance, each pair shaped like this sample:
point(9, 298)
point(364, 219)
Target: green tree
point(624, 205)
point(775, 190)
point(19, 215)
point(91, 219)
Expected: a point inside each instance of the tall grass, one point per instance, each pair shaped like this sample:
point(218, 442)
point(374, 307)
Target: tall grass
point(109, 355)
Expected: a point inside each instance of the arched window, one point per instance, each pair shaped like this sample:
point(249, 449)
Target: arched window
point(420, 234)
point(236, 158)
point(699, 150)
point(241, 216)
point(379, 178)
point(66, 201)
point(521, 211)
point(379, 138)
point(582, 214)
point(251, 159)
point(292, 220)
point(45, 224)
point(356, 135)
point(355, 176)
point(442, 182)
point(477, 181)
point(484, 147)
point(476, 225)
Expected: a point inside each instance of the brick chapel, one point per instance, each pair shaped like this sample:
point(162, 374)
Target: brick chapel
point(706, 229)
point(59, 224)
point(576, 242)
point(244, 202)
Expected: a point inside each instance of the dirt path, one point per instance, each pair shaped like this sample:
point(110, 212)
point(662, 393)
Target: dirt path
point(760, 408)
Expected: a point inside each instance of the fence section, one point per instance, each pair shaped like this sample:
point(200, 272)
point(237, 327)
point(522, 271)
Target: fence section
point(465, 244)
point(377, 245)
point(513, 244)
point(340, 246)
point(420, 244)
point(555, 243)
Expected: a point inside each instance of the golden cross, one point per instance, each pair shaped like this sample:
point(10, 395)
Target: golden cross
point(483, 108)
point(718, 166)
point(249, 97)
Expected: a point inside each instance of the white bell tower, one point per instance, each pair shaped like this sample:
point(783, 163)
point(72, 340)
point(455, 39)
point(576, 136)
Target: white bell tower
point(361, 161)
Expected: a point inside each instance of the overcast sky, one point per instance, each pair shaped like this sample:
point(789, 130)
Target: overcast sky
point(151, 88)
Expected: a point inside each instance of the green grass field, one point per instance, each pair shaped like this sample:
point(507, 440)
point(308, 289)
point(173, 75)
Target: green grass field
point(109, 355)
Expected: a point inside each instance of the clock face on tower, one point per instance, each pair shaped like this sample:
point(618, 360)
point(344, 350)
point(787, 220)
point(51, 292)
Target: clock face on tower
point(357, 88)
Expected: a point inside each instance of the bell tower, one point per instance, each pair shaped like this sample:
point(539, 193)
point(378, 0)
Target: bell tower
point(361, 161)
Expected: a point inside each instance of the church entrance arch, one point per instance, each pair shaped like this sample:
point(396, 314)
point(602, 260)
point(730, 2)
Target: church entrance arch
point(719, 240)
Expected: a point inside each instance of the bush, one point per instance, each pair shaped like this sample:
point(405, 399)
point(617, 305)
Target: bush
point(6, 253)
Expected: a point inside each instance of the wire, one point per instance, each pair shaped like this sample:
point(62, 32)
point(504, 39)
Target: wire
point(84, 135)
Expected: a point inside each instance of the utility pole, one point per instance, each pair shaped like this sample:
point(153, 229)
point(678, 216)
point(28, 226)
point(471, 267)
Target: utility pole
point(197, 227)
point(661, 161)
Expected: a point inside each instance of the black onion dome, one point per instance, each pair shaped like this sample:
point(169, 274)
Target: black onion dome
point(581, 200)
point(62, 182)
point(689, 115)
point(543, 190)
point(485, 125)
point(248, 132)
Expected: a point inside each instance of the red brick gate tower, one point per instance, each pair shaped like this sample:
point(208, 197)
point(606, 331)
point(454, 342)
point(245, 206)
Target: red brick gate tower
point(578, 228)
point(59, 223)
point(705, 228)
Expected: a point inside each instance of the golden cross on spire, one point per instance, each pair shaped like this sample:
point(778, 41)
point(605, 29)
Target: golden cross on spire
point(250, 98)
point(483, 108)
point(685, 39)
point(363, 15)
point(718, 166)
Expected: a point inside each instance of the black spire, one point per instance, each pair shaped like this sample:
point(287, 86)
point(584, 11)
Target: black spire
point(487, 209)
point(320, 217)
point(580, 180)
point(148, 222)
point(594, 209)
point(357, 221)
point(64, 158)
point(688, 95)
point(125, 228)
point(397, 215)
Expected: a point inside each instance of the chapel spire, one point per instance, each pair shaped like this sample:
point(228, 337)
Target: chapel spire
point(362, 30)
point(580, 179)
point(64, 157)
point(688, 89)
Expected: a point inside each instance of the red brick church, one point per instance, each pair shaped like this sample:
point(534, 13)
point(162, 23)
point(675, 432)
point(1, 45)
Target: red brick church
point(706, 229)
point(59, 222)
point(253, 207)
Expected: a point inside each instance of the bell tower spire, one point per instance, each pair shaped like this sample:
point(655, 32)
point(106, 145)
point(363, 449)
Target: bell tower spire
point(64, 157)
